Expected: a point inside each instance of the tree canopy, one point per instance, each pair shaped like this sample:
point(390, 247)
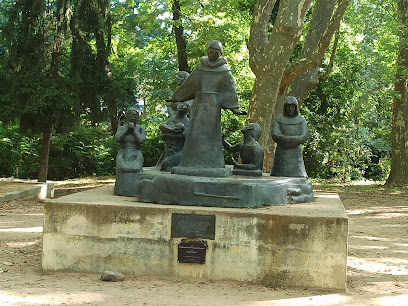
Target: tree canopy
point(65, 63)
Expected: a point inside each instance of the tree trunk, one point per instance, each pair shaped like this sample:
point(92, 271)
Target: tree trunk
point(268, 60)
point(47, 131)
point(115, 122)
point(399, 151)
point(265, 89)
point(301, 86)
point(270, 54)
point(45, 152)
point(180, 39)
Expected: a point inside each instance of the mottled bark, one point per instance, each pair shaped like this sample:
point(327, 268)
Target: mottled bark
point(301, 86)
point(180, 39)
point(269, 57)
point(45, 152)
point(399, 153)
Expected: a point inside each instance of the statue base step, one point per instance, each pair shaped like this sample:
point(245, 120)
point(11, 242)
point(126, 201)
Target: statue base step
point(234, 191)
point(202, 172)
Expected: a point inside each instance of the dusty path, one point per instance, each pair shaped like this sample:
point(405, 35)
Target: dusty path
point(377, 272)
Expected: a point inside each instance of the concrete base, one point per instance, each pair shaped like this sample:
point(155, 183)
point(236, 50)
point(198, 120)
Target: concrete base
point(302, 245)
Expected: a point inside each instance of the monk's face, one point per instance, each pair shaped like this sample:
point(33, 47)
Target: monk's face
point(290, 110)
point(213, 54)
point(132, 116)
point(180, 78)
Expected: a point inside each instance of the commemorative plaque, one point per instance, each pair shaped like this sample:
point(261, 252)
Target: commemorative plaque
point(192, 252)
point(193, 226)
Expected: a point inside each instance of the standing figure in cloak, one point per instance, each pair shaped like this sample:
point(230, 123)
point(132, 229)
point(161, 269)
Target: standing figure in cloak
point(289, 131)
point(212, 88)
point(250, 151)
point(129, 160)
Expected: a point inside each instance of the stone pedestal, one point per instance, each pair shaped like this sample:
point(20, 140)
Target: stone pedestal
point(301, 245)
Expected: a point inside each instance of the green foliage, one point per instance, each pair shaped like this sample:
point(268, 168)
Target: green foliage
point(89, 150)
point(91, 27)
point(350, 115)
point(334, 147)
point(35, 96)
point(346, 140)
point(153, 147)
point(231, 129)
point(18, 153)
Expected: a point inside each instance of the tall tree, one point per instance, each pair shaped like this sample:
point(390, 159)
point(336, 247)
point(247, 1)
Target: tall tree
point(39, 96)
point(91, 27)
point(399, 153)
point(271, 52)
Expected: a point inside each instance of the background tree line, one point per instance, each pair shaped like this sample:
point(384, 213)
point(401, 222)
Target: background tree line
point(69, 68)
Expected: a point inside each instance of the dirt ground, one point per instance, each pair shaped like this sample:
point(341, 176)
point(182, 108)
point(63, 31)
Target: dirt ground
point(377, 266)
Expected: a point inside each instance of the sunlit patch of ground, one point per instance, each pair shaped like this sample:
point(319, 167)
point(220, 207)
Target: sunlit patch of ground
point(35, 296)
point(377, 262)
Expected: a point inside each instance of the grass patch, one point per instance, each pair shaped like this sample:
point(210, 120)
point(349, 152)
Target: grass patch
point(358, 187)
point(85, 182)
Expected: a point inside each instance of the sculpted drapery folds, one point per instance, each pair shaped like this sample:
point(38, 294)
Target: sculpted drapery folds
point(270, 53)
point(212, 86)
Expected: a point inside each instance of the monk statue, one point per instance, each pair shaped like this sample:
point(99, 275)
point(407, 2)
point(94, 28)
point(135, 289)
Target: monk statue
point(212, 88)
point(250, 151)
point(289, 131)
point(129, 160)
point(174, 131)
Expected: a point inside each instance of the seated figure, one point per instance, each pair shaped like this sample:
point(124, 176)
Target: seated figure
point(289, 131)
point(174, 132)
point(129, 160)
point(251, 152)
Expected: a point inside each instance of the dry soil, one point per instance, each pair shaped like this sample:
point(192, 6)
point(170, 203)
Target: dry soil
point(377, 266)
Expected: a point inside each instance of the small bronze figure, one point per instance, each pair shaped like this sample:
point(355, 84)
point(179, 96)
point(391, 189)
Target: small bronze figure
point(289, 131)
point(250, 151)
point(129, 160)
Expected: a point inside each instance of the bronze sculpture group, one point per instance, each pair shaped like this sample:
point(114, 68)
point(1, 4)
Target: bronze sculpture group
point(192, 133)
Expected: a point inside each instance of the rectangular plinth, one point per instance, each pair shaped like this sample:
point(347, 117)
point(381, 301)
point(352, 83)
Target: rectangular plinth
point(297, 245)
